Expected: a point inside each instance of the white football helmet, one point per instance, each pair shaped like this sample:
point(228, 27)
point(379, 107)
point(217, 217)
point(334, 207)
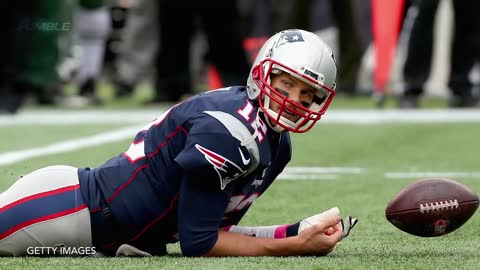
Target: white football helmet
point(306, 57)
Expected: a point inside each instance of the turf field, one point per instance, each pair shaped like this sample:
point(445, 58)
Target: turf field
point(356, 160)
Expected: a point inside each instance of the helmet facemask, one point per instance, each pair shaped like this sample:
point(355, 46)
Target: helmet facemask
point(307, 117)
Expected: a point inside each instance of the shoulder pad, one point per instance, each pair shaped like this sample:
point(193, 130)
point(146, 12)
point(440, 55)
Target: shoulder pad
point(239, 131)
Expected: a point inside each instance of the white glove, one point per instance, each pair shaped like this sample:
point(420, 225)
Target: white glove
point(346, 224)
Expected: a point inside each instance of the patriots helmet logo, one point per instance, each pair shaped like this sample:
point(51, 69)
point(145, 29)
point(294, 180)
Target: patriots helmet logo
point(289, 37)
point(227, 170)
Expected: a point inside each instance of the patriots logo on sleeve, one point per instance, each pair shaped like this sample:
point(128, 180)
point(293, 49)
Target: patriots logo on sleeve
point(289, 37)
point(227, 170)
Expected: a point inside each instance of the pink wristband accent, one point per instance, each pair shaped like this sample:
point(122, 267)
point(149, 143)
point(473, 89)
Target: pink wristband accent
point(281, 231)
point(227, 228)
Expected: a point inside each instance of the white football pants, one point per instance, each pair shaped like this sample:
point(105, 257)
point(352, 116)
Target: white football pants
point(43, 213)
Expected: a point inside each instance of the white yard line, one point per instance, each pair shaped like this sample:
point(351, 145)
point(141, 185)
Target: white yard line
point(406, 175)
point(78, 117)
point(325, 170)
point(321, 173)
point(290, 173)
point(69, 145)
point(391, 116)
point(292, 176)
point(333, 116)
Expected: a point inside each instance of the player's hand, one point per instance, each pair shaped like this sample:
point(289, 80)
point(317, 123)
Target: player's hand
point(346, 224)
point(322, 237)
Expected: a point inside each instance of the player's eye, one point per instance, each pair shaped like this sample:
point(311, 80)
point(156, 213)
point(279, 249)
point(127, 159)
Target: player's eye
point(287, 83)
point(307, 94)
point(305, 104)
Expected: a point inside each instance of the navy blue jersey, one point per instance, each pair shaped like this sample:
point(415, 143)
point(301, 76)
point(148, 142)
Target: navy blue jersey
point(195, 169)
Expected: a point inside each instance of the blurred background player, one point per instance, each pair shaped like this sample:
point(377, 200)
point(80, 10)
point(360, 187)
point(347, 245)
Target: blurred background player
point(138, 46)
point(267, 16)
point(464, 52)
point(30, 52)
point(178, 21)
point(92, 24)
point(350, 48)
point(176, 45)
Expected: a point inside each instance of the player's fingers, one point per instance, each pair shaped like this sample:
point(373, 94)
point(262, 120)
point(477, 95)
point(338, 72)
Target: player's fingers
point(333, 229)
point(328, 221)
point(336, 236)
point(332, 211)
point(329, 231)
point(337, 227)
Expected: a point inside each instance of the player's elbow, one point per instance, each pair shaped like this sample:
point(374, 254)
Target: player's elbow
point(190, 250)
point(197, 247)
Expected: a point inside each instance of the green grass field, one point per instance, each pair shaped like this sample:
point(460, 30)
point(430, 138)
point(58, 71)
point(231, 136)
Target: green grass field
point(365, 166)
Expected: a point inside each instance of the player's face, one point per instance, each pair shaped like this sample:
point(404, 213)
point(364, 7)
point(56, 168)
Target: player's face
point(295, 90)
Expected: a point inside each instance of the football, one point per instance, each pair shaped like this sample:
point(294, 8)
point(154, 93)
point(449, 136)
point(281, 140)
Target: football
point(432, 207)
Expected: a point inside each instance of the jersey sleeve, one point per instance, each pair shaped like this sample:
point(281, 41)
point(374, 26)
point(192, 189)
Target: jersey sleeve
point(211, 159)
point(212, 155)
point(200, 212)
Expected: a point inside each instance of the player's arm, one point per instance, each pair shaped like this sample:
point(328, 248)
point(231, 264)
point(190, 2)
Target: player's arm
point(210, 160)
point(201, 209)
point(292, 231)
point(289, 230)
point(319, 239)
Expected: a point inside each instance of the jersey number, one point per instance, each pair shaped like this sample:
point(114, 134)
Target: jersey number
point(136, 150)
point(256, 123)
point(239, 202)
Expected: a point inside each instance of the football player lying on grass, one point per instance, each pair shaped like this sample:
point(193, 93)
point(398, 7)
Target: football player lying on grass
point(191, 174)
